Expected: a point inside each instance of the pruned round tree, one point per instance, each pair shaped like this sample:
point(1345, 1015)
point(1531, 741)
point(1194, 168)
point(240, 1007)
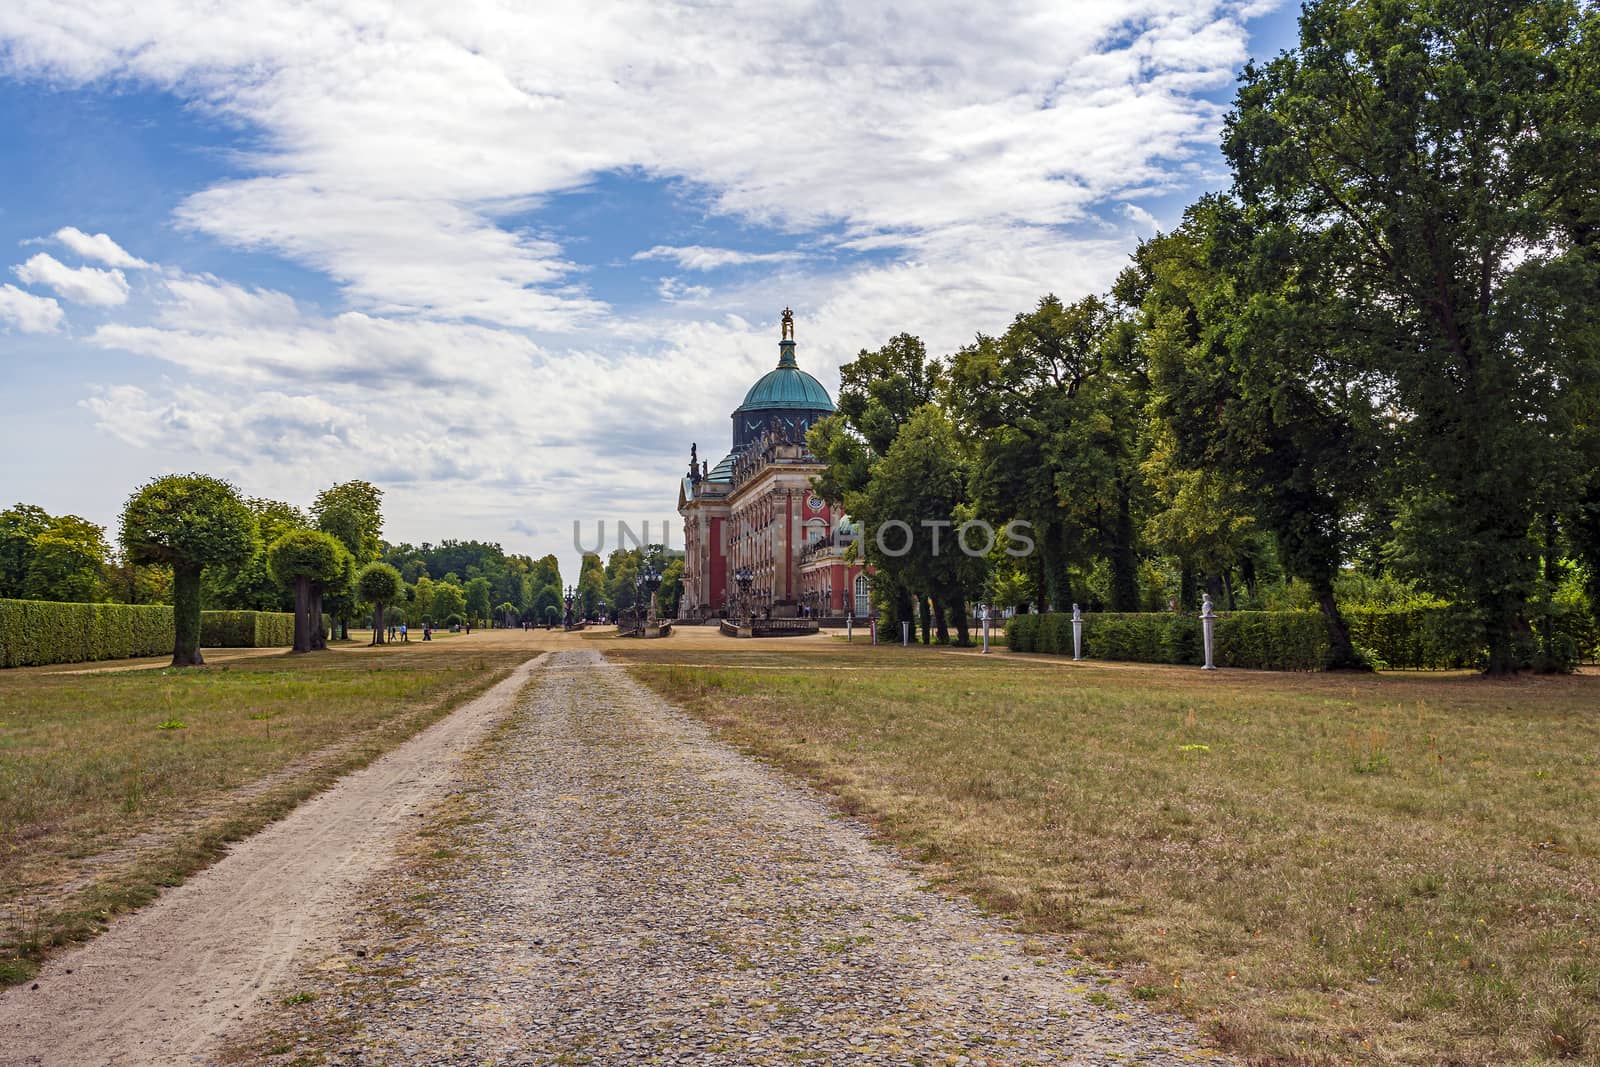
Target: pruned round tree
point(310, 562)
point(188, 522)
point(379, 585)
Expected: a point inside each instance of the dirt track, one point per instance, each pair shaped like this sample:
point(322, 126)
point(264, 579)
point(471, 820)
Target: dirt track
point(162, 984)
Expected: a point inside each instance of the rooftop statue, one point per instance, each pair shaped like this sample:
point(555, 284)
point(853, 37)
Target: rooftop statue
point(788, 325)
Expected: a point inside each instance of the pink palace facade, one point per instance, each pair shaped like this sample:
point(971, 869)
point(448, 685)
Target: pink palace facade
point(756, 509)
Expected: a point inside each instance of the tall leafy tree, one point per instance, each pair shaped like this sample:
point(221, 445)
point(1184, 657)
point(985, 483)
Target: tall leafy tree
point(250, 586)
point(478, 591)
point(1438, 164)
point(380, 585)
point(879, 393)
point(188, 522)
point(449, 599)
point(353, 512)
point(591, 584)
point(310, 563)
point(1256, 384)
point(67, 559)
point(20, 527)
point(921, 480)
point(1053, 417)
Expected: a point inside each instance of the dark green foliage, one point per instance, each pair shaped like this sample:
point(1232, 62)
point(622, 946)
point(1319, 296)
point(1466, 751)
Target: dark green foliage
point(313, 564)
point(36, 632)
point(380, 585)
point(44, 557)
point(39, 632)
point(1447, 638)
point(1262, 640)
point(246, 629)
point(352, 512)
point(1426, 173)
point(190, 522)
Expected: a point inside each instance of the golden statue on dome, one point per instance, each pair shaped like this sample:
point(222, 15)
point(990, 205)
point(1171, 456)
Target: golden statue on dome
point(788, 325)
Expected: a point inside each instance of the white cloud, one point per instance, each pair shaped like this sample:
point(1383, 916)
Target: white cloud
point(81, 285)
point(701, 258)
point(672, 289)
point(397, 135)
point(1141, 218)
point(27, 312)
point(98, 247)
point(937, 163)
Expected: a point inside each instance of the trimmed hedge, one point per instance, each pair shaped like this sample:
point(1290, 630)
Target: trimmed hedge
point(38, 632)
point(1417, 638)
point(35, 632)
point(1264, 640)
point(1431, 638)
point(1446, 638)
point(246, 629)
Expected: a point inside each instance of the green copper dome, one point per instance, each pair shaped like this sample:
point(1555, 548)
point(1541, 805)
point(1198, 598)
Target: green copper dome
point(723, 472)
point(787, 388)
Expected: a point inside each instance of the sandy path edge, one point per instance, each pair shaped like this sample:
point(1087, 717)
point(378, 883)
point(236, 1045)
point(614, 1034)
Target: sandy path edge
point(162, 984)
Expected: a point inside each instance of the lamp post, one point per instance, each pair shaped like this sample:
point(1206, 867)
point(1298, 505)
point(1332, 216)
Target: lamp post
point(570, 598)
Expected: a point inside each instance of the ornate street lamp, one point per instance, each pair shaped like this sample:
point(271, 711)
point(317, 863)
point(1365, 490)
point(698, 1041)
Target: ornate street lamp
point(570, 598)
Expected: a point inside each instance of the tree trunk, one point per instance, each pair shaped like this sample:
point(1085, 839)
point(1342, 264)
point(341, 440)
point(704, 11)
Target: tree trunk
point(1188, 595)
point(904, 609)
point(939, 623)
point(377, 624)
point(1552, 577)
point(1341, 653)
point(1124, 558)
point(958, 611)
point(922, 612)
point(186, 615)
point(1498, 631)
point(319, 636)
point(302, 615)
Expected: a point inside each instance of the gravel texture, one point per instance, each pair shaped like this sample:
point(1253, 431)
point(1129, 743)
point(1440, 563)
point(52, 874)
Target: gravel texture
point(620, 888)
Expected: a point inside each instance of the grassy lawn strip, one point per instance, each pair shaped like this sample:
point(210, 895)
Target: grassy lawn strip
point(115, 785)
point(1323, 869)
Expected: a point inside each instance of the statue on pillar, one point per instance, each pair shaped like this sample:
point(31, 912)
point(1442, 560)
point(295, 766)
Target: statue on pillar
point(788, 325)
point(694, 463)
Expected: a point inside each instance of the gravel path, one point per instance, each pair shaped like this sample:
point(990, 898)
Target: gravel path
point(632, 891)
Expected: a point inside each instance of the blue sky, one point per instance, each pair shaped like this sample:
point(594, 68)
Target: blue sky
point(510, 265)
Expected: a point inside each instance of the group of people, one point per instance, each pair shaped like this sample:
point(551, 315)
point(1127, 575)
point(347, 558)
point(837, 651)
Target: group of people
point(400, 632)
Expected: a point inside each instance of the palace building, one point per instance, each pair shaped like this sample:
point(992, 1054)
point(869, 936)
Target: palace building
point(755, 513)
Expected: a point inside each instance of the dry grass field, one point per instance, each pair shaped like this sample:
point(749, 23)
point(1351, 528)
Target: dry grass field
point(1322, 868)
point(117, 782)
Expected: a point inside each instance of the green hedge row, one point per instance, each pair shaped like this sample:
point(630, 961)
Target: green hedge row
point(1419, 638)
point(34, 632)
point(1445, 638)
point(1270, 640)
point(246, 629)
point(38, 632)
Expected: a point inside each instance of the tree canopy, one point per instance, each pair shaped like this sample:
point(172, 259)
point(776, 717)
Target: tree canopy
point(188, 522)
